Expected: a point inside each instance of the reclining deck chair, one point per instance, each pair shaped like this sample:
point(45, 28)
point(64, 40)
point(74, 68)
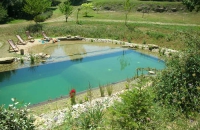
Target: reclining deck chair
point(13, 46)
point(45, 36)
point(20, 40)
point(30, 38)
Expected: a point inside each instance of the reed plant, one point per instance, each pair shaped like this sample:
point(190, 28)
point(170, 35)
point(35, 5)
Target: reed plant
point(32, 58)
point(89, 93)
point(109, 89)
point(102, 90)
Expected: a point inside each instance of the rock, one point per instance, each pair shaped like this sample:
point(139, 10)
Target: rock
point(151, 72)
point(173, 9)
point(6, 60)
point(153, 46)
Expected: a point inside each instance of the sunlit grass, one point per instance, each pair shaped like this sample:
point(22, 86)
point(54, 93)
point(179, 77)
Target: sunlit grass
point(16, 21)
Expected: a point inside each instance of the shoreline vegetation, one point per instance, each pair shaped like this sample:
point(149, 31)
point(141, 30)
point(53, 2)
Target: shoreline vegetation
point(162, 101)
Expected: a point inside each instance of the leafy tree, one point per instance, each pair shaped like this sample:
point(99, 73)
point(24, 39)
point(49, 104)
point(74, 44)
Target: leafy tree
point(66, 8)
point(178, 85)
point(36, 7)
point(3, 13)
point(14, 8)
point(86, 7)
point(77, 20)
point(127, 8)
point(192, 4)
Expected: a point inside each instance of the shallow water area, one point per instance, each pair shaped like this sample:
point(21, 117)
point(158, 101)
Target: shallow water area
point(72, 66)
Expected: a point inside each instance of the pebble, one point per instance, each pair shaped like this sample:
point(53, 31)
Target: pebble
point(57, 117)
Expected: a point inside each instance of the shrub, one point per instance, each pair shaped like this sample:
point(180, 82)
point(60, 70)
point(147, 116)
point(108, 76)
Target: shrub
point(133, 110)
point(15, 117)
point(39, 18)
point(91, 118)
point(178, 85)
point(43, 17)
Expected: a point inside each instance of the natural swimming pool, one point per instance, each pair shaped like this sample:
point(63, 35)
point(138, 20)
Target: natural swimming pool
point(95, 65)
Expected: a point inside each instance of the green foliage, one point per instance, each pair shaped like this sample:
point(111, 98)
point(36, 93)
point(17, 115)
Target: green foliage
point(66, 9)
point(32, 58)
point(42, 17)
point(156, 35)
point(36, 7)
point(127, 9)
point(109, 90)
point(91, 118)
point(89, 93)
point(3, 13)
point(192, 4)
point(86, 7)
point(15, 117)
point(133, 111)
point(102, 90)
point(22, 60)
point(179, 85)
point(39, 18)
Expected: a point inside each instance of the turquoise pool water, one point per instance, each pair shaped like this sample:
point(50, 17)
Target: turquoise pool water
point(53, 80)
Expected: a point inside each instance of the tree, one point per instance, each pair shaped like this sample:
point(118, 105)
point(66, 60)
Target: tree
point(78, 10)
point(36, 7)
point(86, 7)
point(66, 8)
point(192, 4)
point(14, 8)
point(127, 8)
point(3, 13)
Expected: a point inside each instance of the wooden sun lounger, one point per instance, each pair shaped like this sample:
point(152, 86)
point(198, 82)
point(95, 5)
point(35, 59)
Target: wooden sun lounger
point(30, 38)
point(13, 46)
point(45, 36)
point(20, 40)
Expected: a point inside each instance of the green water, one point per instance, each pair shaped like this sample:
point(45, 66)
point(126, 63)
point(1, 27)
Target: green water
point(50, 81)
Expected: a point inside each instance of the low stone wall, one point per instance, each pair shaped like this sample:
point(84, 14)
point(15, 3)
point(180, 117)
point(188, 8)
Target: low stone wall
point(151, 47)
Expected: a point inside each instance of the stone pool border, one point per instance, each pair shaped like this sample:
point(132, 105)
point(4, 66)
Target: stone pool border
point(151, 47)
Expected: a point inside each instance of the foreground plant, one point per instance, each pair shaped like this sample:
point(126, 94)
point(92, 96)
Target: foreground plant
point(92, 117)
point(133, 111)
point(16, 117)
point(72, 95)
point(109, 90)
point(102, 90)
point(178, 86)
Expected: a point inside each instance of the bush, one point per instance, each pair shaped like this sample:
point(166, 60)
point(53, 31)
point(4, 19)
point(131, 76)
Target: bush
point(133, 110)
point(15, 118)
point(178, 85)
point(92, 118)
point(39, 18)
point(43, 17)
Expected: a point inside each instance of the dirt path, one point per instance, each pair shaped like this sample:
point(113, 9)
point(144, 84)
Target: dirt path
point(62, 18)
